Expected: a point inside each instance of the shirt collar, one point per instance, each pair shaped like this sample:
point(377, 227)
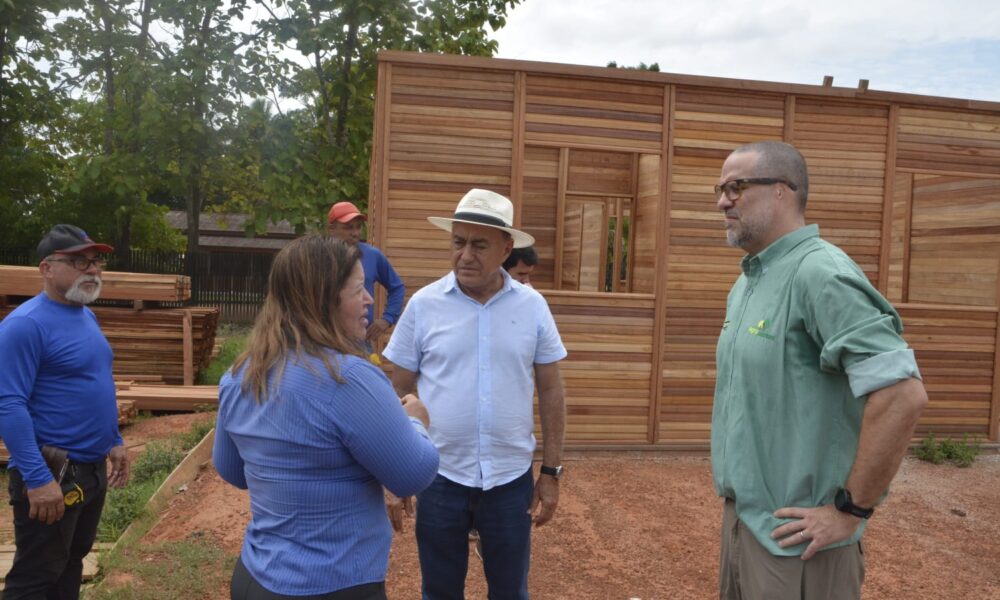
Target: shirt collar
point(778, 249)
point(451, 285)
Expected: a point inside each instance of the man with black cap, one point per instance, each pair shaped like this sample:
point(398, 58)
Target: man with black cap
point(58, 419)
point(345, 222)
point(476, 345)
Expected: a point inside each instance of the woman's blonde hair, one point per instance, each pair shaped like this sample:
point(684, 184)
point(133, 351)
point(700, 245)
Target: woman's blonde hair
point(299, 316)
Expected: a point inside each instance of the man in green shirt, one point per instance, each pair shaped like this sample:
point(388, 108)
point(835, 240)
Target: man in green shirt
point(816, 396)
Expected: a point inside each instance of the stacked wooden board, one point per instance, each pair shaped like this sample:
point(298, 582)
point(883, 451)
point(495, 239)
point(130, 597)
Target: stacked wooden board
point(27, 281)
point(171, 344)
point(181, 398)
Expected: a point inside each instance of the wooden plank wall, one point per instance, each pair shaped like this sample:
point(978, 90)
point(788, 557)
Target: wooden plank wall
point(607, 374)
point(708, 125)
point(909, 186)
point(449, 131)
point(956, 349)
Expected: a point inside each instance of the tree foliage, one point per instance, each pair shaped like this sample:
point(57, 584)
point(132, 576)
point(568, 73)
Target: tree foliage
point(114, 111)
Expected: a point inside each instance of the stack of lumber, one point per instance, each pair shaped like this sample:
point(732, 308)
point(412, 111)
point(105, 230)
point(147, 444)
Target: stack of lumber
point(172, 344)
point(27, 281)
point(126, 411)
point(183, 398)
point(151, 342)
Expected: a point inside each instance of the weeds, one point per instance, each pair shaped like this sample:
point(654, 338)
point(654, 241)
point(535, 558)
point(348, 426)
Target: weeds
point(182, 569)
point(150, 469)
point(231, 348)
point(962, 453)
point(157, 459)
point(189, 439)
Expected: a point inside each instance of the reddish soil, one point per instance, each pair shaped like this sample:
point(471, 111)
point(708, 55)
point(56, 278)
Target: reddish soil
point(645, 525)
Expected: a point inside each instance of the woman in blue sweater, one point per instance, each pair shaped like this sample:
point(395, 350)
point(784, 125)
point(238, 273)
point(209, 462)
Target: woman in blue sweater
point(314, 431)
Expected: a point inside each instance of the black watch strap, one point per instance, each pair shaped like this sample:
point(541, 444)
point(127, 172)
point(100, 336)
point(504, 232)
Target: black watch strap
point(556, 472)
point(845, 503)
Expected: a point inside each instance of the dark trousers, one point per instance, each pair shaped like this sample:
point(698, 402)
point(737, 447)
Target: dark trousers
point(446, 511)
point(245, 587)
point(48, 560)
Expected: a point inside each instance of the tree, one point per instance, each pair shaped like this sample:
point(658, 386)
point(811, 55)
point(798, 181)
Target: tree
point(328, 142)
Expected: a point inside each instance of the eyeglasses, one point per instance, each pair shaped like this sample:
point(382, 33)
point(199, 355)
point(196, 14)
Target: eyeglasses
point(735, 188)
point(81, 263)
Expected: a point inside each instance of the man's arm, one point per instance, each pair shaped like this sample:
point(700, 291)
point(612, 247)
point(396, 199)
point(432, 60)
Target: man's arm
point(395, 289)
point(404, 382)
point(890, 418)
point(552, 413)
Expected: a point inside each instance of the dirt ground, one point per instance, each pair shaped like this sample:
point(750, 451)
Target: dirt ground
point(645, 525)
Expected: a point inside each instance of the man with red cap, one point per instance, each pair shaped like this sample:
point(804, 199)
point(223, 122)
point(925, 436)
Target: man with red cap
point(345, 222)
point(59, 419)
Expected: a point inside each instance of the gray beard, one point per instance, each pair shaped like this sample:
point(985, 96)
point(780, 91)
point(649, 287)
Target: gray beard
point(76, 294)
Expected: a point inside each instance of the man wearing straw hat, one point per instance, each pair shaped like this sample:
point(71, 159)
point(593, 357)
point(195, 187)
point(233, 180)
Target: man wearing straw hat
point(59, 419)
point(476, 344)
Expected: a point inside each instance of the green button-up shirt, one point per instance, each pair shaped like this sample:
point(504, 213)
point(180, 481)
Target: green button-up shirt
point(805, 340)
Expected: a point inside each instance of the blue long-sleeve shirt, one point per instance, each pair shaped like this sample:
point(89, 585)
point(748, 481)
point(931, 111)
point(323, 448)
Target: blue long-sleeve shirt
point(315, 456)
point(377, 268)
point(56, 386)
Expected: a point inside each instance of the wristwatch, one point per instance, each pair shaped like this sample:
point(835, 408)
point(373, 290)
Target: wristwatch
point(556, 472)
point(845, 503)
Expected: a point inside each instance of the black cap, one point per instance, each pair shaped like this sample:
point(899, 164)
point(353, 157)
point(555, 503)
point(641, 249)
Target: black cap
point(68, 239)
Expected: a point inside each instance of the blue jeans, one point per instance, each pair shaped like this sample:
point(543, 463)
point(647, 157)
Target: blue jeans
point(446, 511)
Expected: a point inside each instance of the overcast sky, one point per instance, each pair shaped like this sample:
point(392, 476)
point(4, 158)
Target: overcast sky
point(938, 47)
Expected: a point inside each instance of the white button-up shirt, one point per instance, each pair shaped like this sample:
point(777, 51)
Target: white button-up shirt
point(475, 373)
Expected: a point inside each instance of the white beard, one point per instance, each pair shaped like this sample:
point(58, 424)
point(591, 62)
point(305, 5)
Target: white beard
point(76, 293)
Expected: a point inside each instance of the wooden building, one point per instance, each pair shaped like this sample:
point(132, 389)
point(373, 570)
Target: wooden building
point(612, 171)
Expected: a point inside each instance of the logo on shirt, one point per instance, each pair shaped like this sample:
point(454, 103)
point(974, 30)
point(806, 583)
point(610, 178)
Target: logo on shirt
point(759, 330)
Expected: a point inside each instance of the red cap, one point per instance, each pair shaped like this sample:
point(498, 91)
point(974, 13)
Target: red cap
point(344, 212)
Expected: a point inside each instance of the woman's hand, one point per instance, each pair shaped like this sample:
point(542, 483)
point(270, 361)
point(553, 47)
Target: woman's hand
point(415, 408)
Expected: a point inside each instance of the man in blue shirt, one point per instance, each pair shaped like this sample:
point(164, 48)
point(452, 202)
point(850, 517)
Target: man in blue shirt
point(476, 345)
point(57, 393)
point(345, 222)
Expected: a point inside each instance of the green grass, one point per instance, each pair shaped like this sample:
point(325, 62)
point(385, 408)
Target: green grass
point(150, 469)
point(960, 452)
point(190, 568)
point(235, 341)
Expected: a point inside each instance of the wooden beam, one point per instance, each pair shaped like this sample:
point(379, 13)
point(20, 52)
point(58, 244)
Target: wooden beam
point(662, 249)
point(789, 133)
point(517, 148)
point(631, 75)
point(188, 348)
point(888, 196)
point(994, 427)
point(907, 234)
point(560, 218)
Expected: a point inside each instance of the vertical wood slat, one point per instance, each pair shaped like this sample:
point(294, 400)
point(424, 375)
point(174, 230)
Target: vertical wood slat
point(994, 426)
point(888, 198)
point(517, 149)
point(633, 213)
point(662, 249)
point(188, 344)
point(908, 228)
point(560, 216)
point(789, 133)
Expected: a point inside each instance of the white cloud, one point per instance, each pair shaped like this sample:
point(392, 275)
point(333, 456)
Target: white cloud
point(920, 46)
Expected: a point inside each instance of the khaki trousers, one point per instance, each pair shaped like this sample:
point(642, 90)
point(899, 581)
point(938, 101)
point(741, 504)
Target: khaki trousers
point(748, 571)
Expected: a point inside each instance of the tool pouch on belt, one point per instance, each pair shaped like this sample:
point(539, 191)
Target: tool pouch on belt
point(57, 460)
